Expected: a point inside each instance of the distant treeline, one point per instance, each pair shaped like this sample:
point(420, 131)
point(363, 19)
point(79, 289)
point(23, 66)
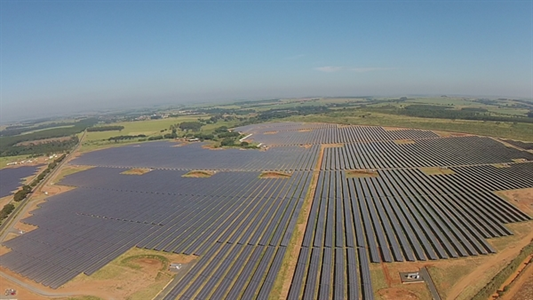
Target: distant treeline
point(41, 148)
point(16, 130)
point(126, 137)
point(105, 128)
point(443, 112)
point(8, 148)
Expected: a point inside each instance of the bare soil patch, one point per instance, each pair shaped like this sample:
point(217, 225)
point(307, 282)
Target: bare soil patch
point(332, 145)
point(136, 171)
point(521, 198)
point(515, 276)
point(522, 288)
point(306, 146)
point(199, 174)
point(519, 159)
point(450, 134)
point(270, 132)
point(436, 171)
point(304, 130)
point(25, 227)
point(272, 174)
point(397, 293)
point(404, 142)
point(361, 173)
point(502, 165)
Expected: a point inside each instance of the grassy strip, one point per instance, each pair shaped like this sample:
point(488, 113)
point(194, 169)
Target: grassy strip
point(288, 266)
point(127, 261)
point(518, 131)
point(488, 290)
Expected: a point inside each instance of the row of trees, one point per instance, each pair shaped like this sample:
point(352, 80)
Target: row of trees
point(10, 145)
point(442, 112)
point(27, 189)
point(105, 128)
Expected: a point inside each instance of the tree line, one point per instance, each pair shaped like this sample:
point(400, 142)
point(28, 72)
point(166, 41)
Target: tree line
point(105, 128)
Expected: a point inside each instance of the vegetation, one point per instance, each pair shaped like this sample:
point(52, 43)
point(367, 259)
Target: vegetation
point(6, 210)
point(126, 137)
point(105, 128)
point(10, 145)
point(487, 291)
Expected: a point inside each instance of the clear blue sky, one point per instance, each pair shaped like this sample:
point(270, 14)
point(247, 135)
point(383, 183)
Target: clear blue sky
point(73, 55)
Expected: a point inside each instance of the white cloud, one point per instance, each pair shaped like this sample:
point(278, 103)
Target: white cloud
point(329, 69)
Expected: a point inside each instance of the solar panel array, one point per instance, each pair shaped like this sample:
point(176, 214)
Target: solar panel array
point(240, 225)
point(10, 178)
point(166, 155)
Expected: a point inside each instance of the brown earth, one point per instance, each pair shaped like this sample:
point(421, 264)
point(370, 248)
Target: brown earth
point(199, 174)
point(396, 294)
point(522, 288)
point(275, 175)
point(509, 282)
point(361, 173)
point(521, 198)
point(436, 171)
point(304, 130)
point(450, 134)
point(136, 171)
point(22, 294)
point(306, 146)
point(486, 267)
point(270, 132)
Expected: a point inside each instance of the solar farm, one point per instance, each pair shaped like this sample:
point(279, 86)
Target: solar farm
point(376, 196)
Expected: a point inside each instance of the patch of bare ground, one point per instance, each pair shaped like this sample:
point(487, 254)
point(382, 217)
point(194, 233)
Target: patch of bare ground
point(199, 174)
point(306, 146)
point(501, 165)
point(521, 198)
point(10, 236)
point(404, 142)
point(522, 287)
point(136, 171)
point(270, 132)
point(436, 171)
point(518, 160)
point(361, 173)
point(397, 293)
point(304, 130)
point(332, 145)
point(450, 134)
point(21, 292)
point(284, 278)
point(136, 274)
point(25, 227)
point(387, 283)
point(511, 280)
point(463, 278)
point(5, 200)
point(272, 174)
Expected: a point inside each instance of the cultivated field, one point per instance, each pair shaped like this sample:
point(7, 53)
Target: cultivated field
point(327, 212)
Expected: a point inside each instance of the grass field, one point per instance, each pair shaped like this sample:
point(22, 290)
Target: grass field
point(518, 131)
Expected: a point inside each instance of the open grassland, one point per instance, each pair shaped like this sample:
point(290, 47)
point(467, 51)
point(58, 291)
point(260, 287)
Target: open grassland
point(519, 131)
point(136, 274)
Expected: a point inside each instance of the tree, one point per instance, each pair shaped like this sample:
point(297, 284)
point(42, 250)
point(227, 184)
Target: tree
point(194, 126)
point(227, 142)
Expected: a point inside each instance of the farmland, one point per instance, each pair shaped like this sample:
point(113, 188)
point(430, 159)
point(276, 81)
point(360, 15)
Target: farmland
point(375, 200)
